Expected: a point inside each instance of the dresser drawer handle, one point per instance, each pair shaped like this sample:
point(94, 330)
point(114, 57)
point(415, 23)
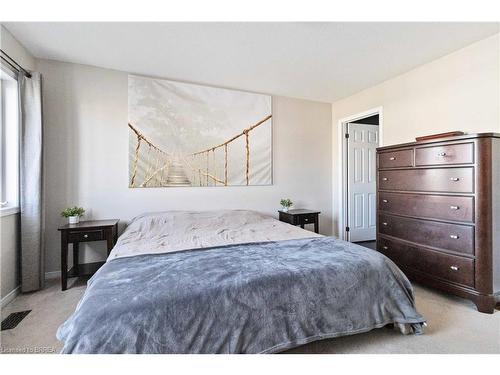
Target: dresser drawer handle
point(306, 219)
point(392, 158)
point(85, 236)
point(384, 224)
point(454, 207)
point(384, 201)
point(454, 179)
point(454, 236)
point(385, 179)
point(385, 247)
point(454, 268)
point(442, 154)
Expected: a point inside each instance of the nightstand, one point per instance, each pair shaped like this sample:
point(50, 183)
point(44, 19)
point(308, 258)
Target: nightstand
point(301, 217)
point(85, 231)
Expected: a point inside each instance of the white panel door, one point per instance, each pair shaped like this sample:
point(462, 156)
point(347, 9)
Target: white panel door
point(361, 173)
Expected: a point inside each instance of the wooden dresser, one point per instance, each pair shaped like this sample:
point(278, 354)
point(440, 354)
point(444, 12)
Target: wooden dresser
point(438, 213)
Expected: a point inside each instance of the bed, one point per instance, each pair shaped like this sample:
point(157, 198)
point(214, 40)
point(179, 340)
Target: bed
point(233, 282)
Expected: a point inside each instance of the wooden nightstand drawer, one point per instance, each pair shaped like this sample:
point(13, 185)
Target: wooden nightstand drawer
point(306, 219)
point(83, 236)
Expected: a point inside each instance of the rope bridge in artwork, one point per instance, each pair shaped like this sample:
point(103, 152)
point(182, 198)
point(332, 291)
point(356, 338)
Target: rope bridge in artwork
point(168, 170)
point(156, 163)
point(205, 154)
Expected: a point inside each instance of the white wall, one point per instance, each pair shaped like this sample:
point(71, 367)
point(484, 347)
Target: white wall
point(86, 157)
point(9, 256)
point(460, 91)
point(9, 225)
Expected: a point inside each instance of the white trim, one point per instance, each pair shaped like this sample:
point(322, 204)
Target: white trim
point(52, 275)
point(342, 172)
point(9, 297)
point(7, 211)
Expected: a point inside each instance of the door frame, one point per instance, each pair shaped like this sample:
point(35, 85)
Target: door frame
point(343, 157)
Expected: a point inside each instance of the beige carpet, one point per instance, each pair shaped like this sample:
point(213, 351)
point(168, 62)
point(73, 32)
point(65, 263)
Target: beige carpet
point(454, 326)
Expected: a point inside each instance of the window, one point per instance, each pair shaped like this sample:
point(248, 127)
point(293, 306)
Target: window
point(9, 142)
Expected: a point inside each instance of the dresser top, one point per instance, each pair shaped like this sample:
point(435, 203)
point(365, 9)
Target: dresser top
point(445, 139)
point(90, 224)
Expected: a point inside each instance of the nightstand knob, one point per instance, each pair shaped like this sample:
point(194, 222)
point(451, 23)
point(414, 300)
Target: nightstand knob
point(306, 219)
point(454, 268)
point(384, 247)
point(384, 224)
point(385, 179)
point(454, 236)
point(454, 207)
point(85, 236)
point(454, 179)
point(384, 201)
point(392, 158)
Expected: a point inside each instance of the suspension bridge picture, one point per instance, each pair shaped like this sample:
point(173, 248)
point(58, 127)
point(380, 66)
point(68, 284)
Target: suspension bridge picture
point(184, 134)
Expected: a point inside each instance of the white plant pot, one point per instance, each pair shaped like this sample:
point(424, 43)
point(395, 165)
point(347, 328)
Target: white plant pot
point(74, 219)
point(285, 209)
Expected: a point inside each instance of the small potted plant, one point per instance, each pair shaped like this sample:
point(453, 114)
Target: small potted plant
point(286, 204)
point(73, 214)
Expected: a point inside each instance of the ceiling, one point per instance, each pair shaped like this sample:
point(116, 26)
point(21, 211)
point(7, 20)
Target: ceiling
point(318, 61)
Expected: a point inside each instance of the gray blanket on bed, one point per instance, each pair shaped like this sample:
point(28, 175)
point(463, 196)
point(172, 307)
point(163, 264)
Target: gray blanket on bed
point(248, 298)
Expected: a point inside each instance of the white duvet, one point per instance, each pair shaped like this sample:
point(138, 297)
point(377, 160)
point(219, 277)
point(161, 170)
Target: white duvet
point(165, 232)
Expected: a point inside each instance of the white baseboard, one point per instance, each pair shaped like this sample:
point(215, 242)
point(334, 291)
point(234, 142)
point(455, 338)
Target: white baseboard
point(9, 297)
point(14, 293)
point(52, 275)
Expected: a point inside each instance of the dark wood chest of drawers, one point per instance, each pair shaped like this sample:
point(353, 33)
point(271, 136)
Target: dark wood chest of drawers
point(438, 213)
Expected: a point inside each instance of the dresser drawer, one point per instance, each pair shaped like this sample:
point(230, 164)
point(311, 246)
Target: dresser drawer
point(429, 206)
point(454, 180)
point(392, 159)
point(454, 237)
point(462, 153)
point(449, 267)
point(82, 236)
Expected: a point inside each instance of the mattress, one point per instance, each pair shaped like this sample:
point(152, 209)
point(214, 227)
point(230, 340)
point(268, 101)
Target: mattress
point(165, 232)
